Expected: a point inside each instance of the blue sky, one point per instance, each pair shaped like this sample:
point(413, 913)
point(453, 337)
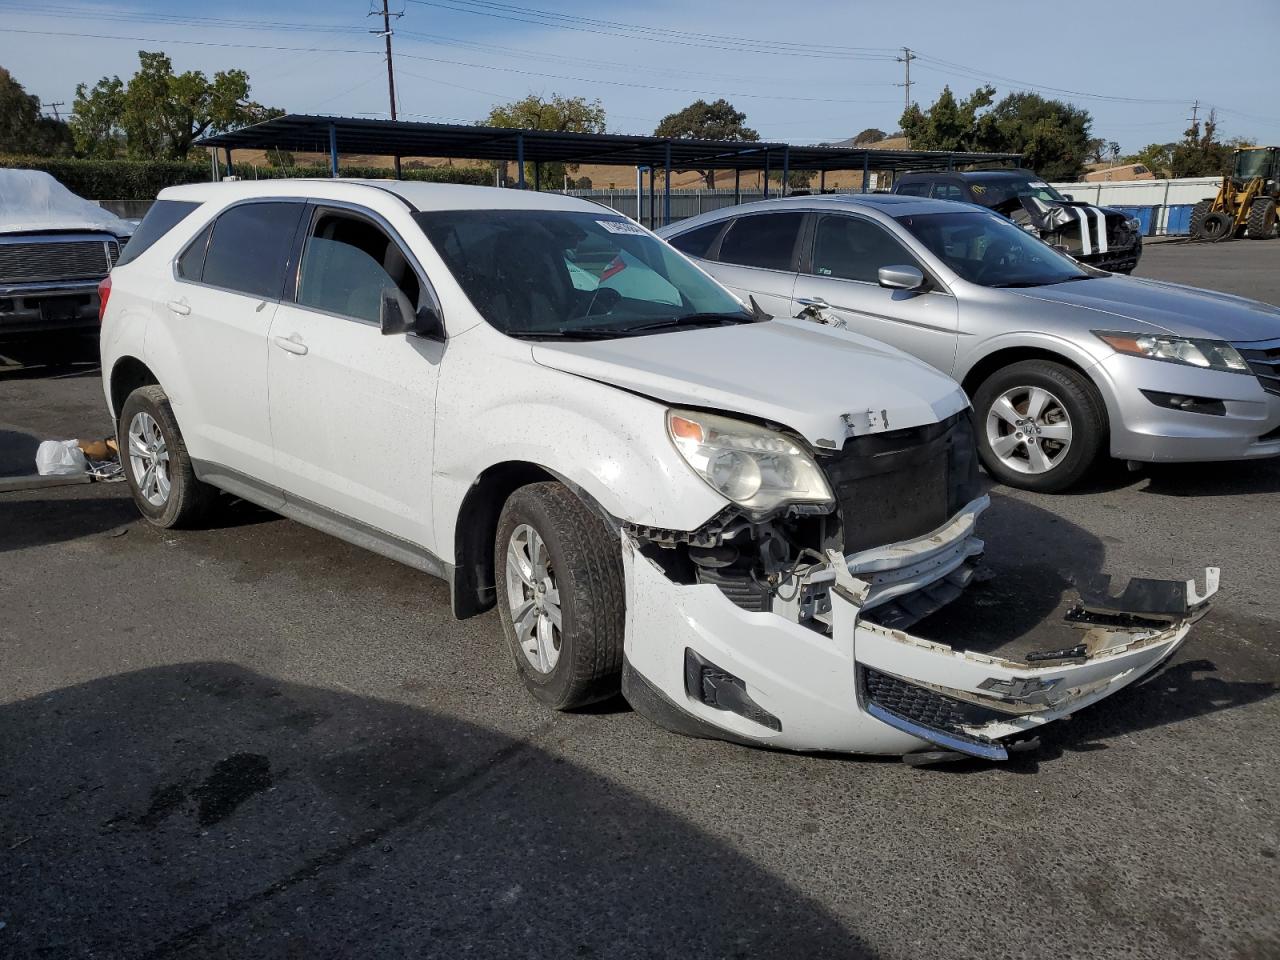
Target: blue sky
point(803, 73)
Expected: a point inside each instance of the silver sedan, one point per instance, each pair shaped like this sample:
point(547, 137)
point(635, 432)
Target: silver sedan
point(1063, 363)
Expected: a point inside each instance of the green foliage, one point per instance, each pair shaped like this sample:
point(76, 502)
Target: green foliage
point(1156, 157)
point(158, 114)
point(870, 135)
point(707, 121)
point(142, 180)
point(22, 128)
point(1200, 154)
point(561, 114)
point(1052, 135)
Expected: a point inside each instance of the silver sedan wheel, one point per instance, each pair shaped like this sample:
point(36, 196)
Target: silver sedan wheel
point(1029, 429)
point(149, 459)
point(534, 597)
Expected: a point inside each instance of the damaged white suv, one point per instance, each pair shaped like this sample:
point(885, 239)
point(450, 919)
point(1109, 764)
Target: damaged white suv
point(731, 518)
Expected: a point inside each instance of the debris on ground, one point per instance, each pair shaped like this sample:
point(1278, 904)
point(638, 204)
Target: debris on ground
point(99, 459)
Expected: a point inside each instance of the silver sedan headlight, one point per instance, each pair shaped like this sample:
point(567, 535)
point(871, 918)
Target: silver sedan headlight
point(757, 468)
point(1208, 354)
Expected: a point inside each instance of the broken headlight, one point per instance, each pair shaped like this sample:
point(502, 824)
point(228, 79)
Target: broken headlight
point(1209, 354)
point(757, 468)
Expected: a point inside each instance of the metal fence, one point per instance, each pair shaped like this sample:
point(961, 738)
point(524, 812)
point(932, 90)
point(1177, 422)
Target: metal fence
point(684, 203)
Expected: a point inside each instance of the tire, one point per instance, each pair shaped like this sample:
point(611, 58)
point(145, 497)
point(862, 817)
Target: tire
point(1074, 411)
point(1262, 219)
point(145, 413)
point(1198, 213)
point(584, 569)
point(1217, 227)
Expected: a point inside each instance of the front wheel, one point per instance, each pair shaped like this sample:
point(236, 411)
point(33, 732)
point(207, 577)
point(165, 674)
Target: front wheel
point(1040, 425)
point(560, 596)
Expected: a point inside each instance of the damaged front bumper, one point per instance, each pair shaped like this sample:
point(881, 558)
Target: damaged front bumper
point(832, 668)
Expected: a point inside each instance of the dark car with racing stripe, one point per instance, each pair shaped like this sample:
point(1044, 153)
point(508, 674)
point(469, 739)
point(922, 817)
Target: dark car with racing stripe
point(1102, 237)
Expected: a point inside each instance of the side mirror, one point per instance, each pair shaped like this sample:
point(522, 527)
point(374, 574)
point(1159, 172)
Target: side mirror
point(1067, 196)
point(396, 315)
point(901, 278)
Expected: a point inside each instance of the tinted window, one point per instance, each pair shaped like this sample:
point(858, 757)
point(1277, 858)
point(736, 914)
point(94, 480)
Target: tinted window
point(191, 263)
point(536, 273)
point(250, 247)
point(764, 240)
point(851, 248)
point(697, 243)
point(347, 264)
point(163, 216)
point(918, 189)
point(947, 191)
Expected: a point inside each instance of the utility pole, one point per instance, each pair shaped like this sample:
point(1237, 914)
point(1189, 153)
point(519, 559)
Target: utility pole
point(54, 107)
point(1194, 118)
point(386, 35)
point(905, 60)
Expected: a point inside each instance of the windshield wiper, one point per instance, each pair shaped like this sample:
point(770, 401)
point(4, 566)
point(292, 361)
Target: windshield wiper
point(580, 333)
point(692, 320)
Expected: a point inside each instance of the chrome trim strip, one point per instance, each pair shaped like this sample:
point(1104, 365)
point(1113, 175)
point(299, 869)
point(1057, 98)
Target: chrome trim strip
point(938, 738)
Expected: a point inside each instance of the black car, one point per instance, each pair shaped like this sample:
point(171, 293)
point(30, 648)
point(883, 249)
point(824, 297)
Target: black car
point(1102, 237)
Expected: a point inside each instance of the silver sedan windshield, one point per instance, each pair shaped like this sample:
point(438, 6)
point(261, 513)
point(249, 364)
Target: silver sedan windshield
point(987, 249)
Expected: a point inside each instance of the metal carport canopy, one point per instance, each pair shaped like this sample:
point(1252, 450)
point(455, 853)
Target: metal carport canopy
point(399, 138)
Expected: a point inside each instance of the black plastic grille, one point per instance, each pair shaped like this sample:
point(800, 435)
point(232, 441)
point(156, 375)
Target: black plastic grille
point(44, 262)
point(924, 706)
point(902, 484)
point(1264, 363)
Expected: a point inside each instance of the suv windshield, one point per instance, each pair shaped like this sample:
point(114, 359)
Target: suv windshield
point(998, 191)
point(989, 250)
point(547, 273)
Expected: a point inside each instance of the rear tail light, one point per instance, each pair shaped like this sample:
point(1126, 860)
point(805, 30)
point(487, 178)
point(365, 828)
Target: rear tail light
point(104, 292)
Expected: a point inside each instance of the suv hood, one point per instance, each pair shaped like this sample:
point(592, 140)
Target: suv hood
point(1122, 302)
point(825, 384)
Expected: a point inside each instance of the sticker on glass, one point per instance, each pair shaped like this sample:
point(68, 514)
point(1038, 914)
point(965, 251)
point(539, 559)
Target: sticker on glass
point(622, 226)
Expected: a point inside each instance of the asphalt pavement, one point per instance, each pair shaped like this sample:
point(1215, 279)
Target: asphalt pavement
point(257, 741)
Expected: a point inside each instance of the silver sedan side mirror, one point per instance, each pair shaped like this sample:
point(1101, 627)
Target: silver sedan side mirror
point(901, 278)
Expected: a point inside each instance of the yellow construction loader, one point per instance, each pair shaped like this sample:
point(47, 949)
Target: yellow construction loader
point(1246, 201)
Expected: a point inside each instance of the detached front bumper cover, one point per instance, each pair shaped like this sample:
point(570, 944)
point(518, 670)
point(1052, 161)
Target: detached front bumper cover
point(844, 682)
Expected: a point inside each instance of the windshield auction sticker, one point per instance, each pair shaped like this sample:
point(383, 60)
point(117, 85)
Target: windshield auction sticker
point(622, 226)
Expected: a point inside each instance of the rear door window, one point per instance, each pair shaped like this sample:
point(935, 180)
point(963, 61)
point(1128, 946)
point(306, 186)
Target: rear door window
point(947, 191)
point(698, 242)
point(250, 248)
point(347, 263)
point(919, 188)
point(163, 216)
point(766, 240)
point(851, 248)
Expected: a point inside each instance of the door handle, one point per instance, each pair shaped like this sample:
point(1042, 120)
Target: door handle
point(816, 302)
point(180, 307)
point(291, 344)
point(815, 309)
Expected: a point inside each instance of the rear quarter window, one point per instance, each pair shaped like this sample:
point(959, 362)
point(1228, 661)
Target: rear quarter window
point(163, 216)
point(698, 241)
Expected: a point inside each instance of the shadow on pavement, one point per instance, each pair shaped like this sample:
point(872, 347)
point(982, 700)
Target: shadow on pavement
point(205, 810)
point(36, 523)
point(17, 453)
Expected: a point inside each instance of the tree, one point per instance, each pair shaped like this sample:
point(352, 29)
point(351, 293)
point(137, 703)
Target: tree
point(158, 114)
point(870, 135)
point(1156, 157)
point(1052, 135)
point(707, 121)
point(22, 128)
point(1200, 154)
point(562, 114)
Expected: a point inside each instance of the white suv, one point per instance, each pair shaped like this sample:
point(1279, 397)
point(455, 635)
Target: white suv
point(730, 518)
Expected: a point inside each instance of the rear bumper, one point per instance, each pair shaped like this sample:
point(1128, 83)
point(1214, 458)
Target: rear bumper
point(48, 307)
point(698, 664)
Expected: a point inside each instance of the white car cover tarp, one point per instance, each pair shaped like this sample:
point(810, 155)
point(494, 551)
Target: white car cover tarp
point(32, 200)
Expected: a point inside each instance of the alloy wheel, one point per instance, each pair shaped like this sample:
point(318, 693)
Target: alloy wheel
point(149, 459)
point(1029, 429)
point(534, 597)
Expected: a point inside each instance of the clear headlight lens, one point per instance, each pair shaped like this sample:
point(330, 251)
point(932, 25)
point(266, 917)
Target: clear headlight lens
point(756, 468)
point(1209, 354)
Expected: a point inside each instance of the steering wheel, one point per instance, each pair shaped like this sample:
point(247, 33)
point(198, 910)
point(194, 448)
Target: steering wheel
point(992, 258)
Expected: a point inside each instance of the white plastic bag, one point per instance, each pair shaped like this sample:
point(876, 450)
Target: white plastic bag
point(60, 458)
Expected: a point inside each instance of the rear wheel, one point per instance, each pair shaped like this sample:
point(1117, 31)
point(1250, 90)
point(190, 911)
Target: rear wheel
point(560, 596)
point(1040, 425)
point(1262, 219)
point(156, 464)
point(1217, 226)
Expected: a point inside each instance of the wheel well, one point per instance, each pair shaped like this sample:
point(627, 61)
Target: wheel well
point(1003, 358)
point(128, 375)
point(477, 524)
